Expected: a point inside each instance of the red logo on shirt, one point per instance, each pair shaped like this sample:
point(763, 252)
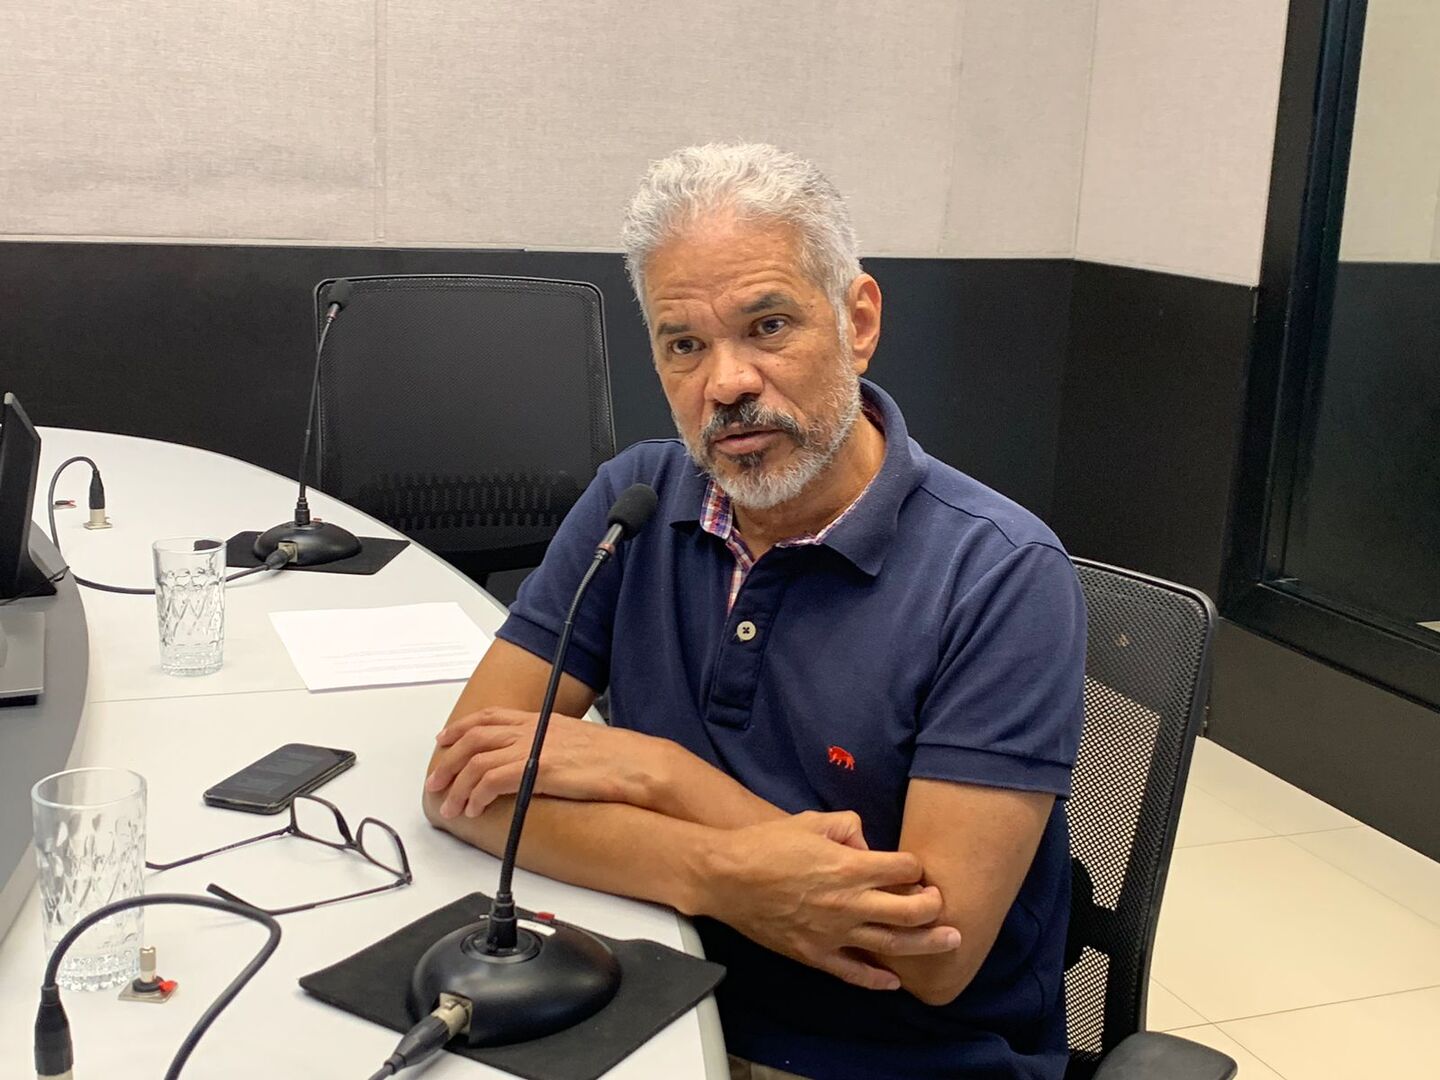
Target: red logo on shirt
point(838, 755)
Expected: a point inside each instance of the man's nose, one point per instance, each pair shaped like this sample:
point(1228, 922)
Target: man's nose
point(732, 375)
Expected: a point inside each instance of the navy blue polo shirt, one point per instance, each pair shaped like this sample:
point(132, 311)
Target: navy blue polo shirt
point(938, 631)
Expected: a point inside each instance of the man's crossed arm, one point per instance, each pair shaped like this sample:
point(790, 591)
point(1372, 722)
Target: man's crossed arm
point(640, 816)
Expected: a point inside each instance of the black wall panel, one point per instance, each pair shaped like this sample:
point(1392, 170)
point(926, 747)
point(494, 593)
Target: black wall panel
point(1150, 420)
point(1104, 398)
point(211, 345)
point(974, 352)
point(1355, 745)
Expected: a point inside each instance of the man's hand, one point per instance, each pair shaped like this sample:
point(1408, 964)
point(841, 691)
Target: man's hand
point(482, 756)
point(807, 887)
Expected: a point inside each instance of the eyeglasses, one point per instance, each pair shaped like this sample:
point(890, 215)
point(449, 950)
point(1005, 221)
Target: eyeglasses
point(312, 818)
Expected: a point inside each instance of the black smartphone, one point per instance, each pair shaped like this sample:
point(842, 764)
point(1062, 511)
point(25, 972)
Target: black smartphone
point(268, 785)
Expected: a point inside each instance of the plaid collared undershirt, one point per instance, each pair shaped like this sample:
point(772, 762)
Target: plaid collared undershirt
point(717, 517)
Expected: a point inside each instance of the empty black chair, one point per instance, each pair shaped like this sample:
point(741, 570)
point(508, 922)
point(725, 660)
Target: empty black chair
point(1147, 675)
point(467, 412)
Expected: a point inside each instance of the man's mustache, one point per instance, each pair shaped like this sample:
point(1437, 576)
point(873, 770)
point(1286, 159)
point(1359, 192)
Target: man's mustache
point(749, 414)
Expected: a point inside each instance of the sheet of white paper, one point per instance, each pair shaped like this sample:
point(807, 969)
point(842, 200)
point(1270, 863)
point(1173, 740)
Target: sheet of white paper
point(388, 646)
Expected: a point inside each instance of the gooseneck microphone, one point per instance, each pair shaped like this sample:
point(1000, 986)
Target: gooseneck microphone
point(627, 517)
point(524, 979)
point(315, 541)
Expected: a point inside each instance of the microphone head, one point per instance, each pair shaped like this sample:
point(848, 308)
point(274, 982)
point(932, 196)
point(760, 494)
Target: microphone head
point(632, 509)
point(339, 292)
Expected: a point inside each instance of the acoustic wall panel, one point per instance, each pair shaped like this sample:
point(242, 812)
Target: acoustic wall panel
point(1020, 127)
point(230, 118)
point(957, 127)
point(529, 124)
point(1180, 135)
point(1391, 212)
point(1435, 242)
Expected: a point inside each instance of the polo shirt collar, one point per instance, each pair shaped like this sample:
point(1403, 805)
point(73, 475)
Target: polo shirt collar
point(865, 533)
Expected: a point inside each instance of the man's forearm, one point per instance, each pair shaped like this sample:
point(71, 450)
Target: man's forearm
point(646, 771)
point(797, 885)
point(977, 845)
point(613, 847)
point(687, 788)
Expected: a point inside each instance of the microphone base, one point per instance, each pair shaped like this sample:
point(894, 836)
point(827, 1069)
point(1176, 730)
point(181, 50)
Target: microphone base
point(555, 978)
point(315, 542)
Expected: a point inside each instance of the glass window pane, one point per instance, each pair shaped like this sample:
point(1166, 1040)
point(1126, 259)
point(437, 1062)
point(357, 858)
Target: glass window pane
point(1364, 526)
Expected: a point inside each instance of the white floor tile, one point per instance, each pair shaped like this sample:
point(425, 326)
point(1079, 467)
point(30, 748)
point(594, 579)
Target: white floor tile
point(1166, 1012)
point(1259, 926)
point(1251, 1067)
point(1391, 1037)
point(1281, 807)
point(1204, 819)
point(1401, 873)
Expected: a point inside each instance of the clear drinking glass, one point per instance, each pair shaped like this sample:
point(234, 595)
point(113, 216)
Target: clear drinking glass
point(190, 603)
point(90, 849)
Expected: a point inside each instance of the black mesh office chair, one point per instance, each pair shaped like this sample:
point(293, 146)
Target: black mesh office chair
point(1147, 673)
point(467, 412)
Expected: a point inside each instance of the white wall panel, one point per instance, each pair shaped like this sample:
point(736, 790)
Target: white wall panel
point(215, 119)
point(1435, 241)
point(1394, 185)
point(1020, 128)
point(1180, 135)
point(956, 127)
point(529, 124)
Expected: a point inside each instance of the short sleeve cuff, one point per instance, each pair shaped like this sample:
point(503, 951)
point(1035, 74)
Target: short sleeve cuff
point(963, 765)
point(533, 638)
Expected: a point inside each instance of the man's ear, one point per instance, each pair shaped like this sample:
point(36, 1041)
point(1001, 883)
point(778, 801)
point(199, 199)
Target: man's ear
point(863, 309)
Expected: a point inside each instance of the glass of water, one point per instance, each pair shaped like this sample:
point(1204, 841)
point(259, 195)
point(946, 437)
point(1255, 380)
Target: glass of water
point(90, 849)
point(190, 603)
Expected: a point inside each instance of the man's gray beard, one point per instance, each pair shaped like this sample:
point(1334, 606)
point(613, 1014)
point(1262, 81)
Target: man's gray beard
point(756, 488)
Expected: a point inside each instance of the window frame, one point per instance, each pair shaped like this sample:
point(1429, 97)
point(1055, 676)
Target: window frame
point(1314, 125)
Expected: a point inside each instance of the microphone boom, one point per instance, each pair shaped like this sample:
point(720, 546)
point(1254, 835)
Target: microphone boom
point(523, 983)
point(315, 541)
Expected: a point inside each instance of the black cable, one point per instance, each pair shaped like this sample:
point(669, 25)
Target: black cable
point(54, 533)
point(36, 589)
point(53, 1055)
point(427, 1037)
point(275, 561)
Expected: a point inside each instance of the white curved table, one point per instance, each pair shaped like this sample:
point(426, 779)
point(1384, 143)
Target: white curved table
point(184, 734)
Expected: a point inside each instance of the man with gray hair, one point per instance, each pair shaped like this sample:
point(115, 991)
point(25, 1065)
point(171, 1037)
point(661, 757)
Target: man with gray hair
point(845, 678)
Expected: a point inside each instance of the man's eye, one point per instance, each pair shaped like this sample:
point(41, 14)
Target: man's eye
point(684, 346)
point(771, 325)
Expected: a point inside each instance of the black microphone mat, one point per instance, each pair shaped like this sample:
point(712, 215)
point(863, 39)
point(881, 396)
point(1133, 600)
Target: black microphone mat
point(374, 555)
point(657, 984)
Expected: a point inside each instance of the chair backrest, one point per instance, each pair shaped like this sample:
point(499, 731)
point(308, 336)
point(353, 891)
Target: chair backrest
point(1147, 675)
point(467, 412)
